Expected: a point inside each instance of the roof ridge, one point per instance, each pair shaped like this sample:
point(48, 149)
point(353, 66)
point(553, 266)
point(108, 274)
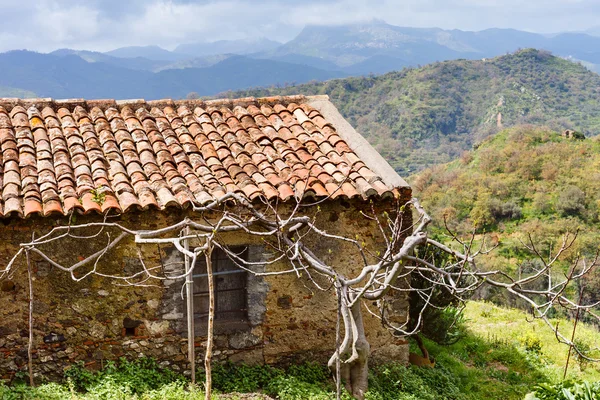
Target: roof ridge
point(40, 102)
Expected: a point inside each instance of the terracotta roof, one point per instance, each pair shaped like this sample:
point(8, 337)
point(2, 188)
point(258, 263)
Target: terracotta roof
point(93, 156)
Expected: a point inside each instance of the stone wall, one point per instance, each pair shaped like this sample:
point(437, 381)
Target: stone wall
point(96, 319)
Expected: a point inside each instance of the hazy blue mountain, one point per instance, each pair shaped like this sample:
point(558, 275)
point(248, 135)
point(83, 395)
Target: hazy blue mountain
point(238, 72)
point(300, 59)
point(351, 44)
point(241, 47)
point(495, 42)
point(67, 76)
point(197, 62)
point(593, 31)
point(379, 47)
point(16, 93)
point(70, 76)
point(577, 45)
point(149, 52)
point(131, 63)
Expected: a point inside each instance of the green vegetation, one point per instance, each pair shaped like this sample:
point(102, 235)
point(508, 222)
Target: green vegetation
point(501, 355)
point(525, 181)
point(419, 117)
point(566, 391)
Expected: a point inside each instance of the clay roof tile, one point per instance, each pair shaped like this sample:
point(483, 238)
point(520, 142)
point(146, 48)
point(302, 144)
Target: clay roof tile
point(166, 153)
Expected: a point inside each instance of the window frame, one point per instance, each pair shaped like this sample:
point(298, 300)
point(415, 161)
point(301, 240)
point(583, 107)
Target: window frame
point(220, 269)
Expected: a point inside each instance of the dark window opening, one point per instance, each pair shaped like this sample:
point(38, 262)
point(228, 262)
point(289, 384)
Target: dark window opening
point(230, 285)
point(129, 331)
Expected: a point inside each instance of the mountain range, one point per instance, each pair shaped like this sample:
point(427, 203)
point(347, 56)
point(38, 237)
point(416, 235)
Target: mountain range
point(316, 53)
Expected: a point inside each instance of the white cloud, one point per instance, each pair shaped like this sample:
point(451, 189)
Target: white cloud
point(104, 24)
point(66, 25)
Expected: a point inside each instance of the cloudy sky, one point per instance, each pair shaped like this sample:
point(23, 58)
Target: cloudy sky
point(45, 25)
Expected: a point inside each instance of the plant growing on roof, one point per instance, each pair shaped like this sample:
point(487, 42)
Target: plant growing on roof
point(98, 195)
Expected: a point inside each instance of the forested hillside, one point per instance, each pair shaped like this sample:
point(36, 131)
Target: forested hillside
point(419, 117)
point(524, 181)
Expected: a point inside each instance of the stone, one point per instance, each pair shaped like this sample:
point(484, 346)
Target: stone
point(173, 316)
point(170, 350)
point(97, 330)
point(78, 307)
point(243, 339)
point(39, 307)
point(157, 327)
point(153, 304)
point(284, 302)
point(254, 357)
point(5, 330)
point(71, 331)
point(54, 338)
point(103, 293)
point(42, 268)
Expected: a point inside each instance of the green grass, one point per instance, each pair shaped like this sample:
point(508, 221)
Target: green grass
point(505, 354)
point(518, 328)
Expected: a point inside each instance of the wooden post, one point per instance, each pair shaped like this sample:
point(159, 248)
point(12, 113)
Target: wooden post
point(338, 370)
point(30, 342)
point(189, 293)
point(211, 317)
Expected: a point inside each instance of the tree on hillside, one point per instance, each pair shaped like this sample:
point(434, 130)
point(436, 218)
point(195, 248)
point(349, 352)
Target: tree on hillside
point(395, 266)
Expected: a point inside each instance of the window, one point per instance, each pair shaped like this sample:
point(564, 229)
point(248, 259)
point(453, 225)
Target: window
point(231, 305)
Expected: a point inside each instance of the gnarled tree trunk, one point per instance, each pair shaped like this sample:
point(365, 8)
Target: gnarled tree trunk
point(354, 352)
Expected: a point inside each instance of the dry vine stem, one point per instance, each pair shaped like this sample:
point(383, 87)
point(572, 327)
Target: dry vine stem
point(390, 268)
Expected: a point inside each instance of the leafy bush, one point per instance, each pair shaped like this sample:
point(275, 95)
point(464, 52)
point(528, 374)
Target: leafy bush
point(294, 388)
point(571, 201)
point(397, 382)
point(243, 378)
point(567, 390)
point(139, 376)
point(532, 343)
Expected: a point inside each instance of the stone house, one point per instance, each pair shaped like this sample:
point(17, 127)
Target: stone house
point(149, 161)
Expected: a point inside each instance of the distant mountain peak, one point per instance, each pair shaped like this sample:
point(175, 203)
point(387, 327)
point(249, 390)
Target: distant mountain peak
point(240, 46)
point(151, 52)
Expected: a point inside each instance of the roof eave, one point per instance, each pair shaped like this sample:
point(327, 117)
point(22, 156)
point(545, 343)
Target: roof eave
point(357, 142)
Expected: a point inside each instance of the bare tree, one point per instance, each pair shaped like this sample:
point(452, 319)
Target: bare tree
point(384, 270)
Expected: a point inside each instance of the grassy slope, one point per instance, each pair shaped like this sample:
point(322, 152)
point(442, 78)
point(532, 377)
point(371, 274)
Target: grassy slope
point(493, 360)
point(423, 116)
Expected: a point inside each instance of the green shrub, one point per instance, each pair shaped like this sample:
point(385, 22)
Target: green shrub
point(139, 376)
point(243, 378)
point(397, 382)
point(532, 343)
point(567, 390)
point(294, 388)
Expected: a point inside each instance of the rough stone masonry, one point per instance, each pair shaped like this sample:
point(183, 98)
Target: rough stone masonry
point(96, 320)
